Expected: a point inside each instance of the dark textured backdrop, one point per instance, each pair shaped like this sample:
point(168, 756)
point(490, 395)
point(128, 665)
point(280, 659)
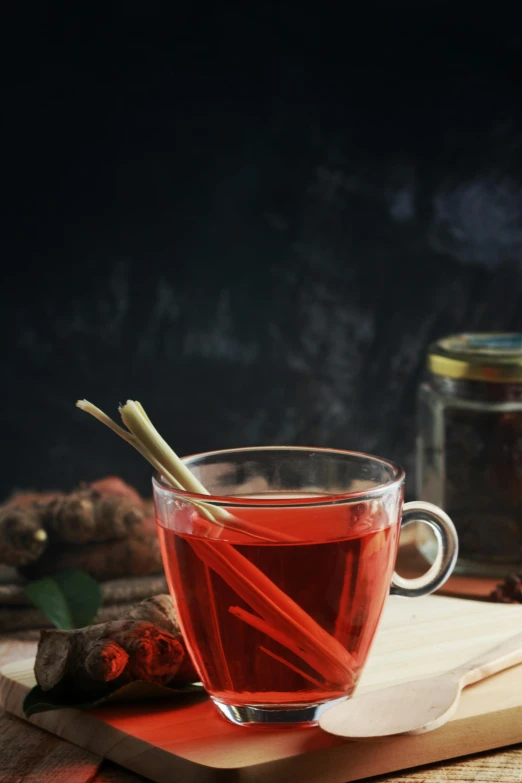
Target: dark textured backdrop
point(251, 218)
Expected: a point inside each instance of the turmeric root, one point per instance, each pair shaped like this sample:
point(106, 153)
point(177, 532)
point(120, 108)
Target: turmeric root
point(147, 645)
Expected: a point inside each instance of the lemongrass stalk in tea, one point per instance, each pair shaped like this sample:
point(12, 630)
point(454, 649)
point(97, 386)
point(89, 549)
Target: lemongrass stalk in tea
point(283, 618)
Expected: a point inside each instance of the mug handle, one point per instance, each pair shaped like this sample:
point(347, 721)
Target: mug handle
point(448, 549)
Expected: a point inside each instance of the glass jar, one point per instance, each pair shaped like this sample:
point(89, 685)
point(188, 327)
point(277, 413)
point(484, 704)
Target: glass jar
point(469, 447)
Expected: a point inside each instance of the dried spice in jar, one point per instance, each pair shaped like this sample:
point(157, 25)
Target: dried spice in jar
point(469, 458)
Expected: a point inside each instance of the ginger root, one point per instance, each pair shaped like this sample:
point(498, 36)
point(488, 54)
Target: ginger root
point(22, 537)
point(32, 524)
point(92, 661)
point(87, 515)
point(112, 485)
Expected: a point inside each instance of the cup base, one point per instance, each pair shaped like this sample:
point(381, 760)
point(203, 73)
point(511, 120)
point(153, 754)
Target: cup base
point(269, 716)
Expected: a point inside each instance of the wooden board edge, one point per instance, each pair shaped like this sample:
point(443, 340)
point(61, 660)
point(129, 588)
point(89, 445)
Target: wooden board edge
point(130, 752)
point(350, 761)
point(343, 763)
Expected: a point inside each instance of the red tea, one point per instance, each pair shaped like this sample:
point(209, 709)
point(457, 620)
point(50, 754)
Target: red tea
point(340, 581)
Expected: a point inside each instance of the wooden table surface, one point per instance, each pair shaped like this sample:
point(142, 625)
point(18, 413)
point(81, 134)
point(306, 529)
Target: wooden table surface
point(30, 755)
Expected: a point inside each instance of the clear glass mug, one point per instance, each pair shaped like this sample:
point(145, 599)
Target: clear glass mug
point(280, 574)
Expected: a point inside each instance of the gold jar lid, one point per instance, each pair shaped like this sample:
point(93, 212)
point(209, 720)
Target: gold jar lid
point(494, 357)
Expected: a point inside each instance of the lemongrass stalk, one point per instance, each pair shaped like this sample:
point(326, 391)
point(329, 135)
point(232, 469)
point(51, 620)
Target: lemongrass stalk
point(214, 623)
point(319, 648)
point(135, 418)
point(291, 666)
point(284, 639)
point(142, 409)
point(88, 407)
point(278, 636)
point(167, 463)
point(141, 427)
point(280, 613)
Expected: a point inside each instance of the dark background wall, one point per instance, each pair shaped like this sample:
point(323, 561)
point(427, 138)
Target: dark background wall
point(253, 218)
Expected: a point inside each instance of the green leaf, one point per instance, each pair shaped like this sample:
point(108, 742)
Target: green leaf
point(70, 599)
point(38, 700)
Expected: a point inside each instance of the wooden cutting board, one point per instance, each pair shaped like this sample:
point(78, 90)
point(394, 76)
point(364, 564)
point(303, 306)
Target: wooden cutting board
point(191, 743)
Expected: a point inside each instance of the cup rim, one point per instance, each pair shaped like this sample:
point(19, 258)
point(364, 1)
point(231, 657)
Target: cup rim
point(318, 500)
